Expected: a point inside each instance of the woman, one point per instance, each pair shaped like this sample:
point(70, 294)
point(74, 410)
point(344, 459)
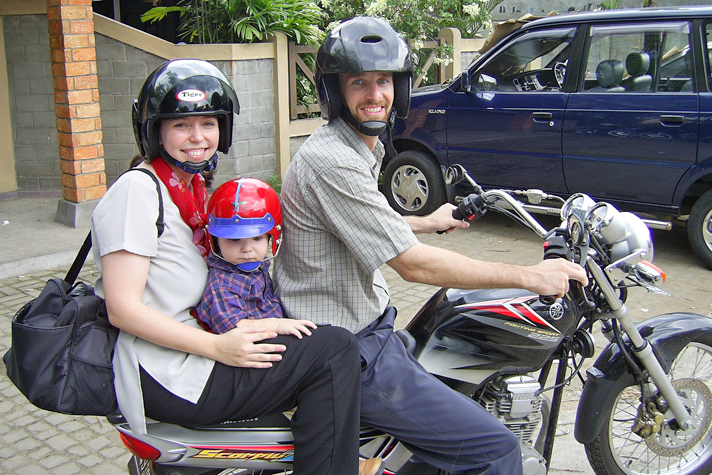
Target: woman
point(166, 366)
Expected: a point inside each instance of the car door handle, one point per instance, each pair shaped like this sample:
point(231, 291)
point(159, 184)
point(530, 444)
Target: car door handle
point(672, 120)
point(542, 116)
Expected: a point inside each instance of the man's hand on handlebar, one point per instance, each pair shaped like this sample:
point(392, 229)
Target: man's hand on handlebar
point(552, 276)
point(439, 220)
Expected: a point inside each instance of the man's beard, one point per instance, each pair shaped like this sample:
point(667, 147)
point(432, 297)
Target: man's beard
point(362, 117)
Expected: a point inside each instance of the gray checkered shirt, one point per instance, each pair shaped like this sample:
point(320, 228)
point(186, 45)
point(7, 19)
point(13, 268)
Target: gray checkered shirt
point(338, 230)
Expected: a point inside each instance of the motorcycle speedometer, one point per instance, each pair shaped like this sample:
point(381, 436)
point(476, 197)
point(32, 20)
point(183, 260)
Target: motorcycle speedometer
point(606, 223)
point(576, 203)
point(576, 230)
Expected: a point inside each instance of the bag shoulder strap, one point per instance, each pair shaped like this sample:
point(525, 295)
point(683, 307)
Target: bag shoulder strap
point(86, 246)
point(159, 221)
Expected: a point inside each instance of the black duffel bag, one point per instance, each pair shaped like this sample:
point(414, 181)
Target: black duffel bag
point(62, 345)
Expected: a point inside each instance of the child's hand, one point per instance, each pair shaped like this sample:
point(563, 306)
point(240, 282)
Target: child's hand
point(288, 326)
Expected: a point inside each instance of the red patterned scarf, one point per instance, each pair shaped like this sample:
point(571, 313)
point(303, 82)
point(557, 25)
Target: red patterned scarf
point(192, 206)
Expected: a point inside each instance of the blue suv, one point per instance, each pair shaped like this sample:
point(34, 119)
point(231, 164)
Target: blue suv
point(616, 104)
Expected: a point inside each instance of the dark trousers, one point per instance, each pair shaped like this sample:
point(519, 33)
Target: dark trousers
point(440, 426)
point(318, 374)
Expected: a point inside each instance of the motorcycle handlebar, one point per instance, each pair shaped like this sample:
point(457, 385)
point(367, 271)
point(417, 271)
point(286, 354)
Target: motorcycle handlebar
point(470, 208)
point(457, 214)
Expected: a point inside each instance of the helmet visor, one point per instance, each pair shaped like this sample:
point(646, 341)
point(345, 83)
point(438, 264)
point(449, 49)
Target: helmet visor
point(239, 228)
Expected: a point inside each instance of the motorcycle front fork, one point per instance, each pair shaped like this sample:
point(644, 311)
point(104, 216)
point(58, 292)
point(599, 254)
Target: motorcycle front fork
point(546, 449)
point(641, 348)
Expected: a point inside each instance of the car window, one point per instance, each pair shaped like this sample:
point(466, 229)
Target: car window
point(536, 61)
point(708, 54)
point(639, 58)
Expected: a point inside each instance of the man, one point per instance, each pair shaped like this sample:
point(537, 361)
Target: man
point(339, 229)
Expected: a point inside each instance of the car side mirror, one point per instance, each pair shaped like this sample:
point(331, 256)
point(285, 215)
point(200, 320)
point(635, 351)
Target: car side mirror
point(465, 81)
point(485, 82)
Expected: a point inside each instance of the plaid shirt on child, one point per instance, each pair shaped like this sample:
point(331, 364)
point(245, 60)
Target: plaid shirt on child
point(231, 295)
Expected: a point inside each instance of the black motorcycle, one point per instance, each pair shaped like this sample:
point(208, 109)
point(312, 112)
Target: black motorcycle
point(646, 406)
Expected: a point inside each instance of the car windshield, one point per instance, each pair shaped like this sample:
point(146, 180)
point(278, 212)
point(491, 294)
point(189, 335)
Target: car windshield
point(548, 47)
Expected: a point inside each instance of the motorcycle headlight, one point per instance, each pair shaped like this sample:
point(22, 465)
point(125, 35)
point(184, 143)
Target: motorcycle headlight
point(637, 237)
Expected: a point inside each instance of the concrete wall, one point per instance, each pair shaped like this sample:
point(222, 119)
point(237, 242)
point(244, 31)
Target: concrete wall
point(122, 69)
point(31, 102)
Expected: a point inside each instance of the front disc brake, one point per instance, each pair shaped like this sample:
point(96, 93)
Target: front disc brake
point(697, 399)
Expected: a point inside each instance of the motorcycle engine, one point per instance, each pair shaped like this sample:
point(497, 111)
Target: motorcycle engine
point(515, 402)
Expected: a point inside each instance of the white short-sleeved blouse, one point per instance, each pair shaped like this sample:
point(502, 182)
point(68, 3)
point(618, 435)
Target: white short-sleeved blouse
point(125, 219)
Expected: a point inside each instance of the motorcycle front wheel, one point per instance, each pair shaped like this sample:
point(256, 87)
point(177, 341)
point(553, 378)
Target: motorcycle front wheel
point(668, 450)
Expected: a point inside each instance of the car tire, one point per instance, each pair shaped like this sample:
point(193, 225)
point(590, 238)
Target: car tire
point(413, 183)
point(699, 228)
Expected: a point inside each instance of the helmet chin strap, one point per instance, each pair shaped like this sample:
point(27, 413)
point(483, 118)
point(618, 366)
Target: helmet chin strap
point(373, 128)
point(189, 167)
point(370, 128)
point(249, 266)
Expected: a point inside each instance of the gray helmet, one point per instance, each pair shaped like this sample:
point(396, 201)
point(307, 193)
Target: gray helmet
point(358, 45)
point(183, 87)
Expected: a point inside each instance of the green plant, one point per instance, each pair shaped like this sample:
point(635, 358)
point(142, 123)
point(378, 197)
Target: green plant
point(611, 4)
point(243, 21)
point(306, 91)
point(275, 182)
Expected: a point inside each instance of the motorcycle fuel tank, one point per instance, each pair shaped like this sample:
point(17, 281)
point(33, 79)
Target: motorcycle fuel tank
point(469, 335)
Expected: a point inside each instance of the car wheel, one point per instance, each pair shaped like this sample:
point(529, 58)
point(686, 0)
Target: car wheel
point(699, 228)
point(413, 183)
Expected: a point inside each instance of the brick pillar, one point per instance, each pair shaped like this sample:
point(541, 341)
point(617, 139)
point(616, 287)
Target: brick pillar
point(76, 97)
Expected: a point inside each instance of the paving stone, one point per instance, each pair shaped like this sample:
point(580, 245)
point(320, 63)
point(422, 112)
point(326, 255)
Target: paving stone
point(90, 460)
point(40, 453)
point(79, 450)
point(15, 464)
point(7, 452)
point(60, 442)
point(14, 436)
point(109, 468)
point(56, 419)
point(38, 426)
point(69, 468)
point(5, 406)
point(27, 444)
point(70, 426)
point(53, 461)
point(47, 434)
point(98, 443)
point(111, 452)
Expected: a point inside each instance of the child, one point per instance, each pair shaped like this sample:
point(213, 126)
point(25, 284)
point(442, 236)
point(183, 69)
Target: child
point(243, 215)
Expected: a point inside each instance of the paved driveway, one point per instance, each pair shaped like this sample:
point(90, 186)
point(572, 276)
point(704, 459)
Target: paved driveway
point(34, 442)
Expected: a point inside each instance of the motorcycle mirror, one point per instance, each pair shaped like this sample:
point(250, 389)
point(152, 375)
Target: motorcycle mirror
point(454, 175)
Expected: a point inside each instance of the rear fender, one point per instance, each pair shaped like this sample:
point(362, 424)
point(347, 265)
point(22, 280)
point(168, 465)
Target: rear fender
point(667, 333)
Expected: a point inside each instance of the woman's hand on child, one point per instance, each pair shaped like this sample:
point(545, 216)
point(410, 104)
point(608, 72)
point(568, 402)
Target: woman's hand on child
point(239, 347)
point(288, 326)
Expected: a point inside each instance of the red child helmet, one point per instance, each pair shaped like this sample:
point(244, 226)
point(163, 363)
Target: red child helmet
point(245, 208)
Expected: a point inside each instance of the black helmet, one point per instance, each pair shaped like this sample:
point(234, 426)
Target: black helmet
point(183, 87)
point(359, 45)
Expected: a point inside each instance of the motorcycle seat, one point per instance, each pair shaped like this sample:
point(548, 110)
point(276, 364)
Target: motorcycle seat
point(275, 420)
